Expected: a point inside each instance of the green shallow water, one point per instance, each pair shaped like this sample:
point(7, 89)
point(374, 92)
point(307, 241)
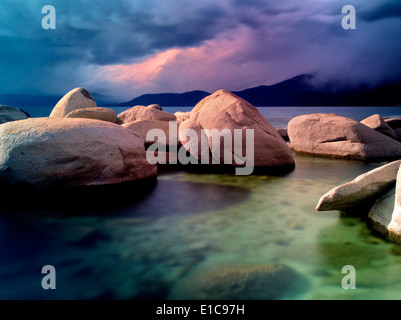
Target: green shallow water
point(189, 222)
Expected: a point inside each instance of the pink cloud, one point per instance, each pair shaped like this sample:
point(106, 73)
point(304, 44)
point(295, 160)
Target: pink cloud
point(232, 61)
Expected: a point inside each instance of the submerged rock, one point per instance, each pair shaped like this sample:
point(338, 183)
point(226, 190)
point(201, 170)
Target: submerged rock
point(143, 113)
point(78, 98)
point(225, 111)
point(330, 135)
point(233, 282)
point(362, 188)
point(103, 114)
point(46, 152)
point(377, 123)
point(8, 114)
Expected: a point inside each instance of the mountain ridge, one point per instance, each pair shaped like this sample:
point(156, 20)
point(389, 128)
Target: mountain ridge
point(301, 90)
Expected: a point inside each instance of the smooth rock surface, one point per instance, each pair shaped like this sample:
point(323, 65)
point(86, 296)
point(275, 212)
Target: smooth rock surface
point(46, 152)
point(8, 114)
point(225, 111)
point(78, 98)
point(142, 127)
point(330, 135)
point(377, 123)
point(394, 228)
point(362, 188)
point(143, 113)
point(182, 116)
point(103, 114)
point(380, 214)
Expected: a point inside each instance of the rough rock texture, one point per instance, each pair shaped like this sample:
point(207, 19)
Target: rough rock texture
point(103, 114)
point(334, 136)
point(143, 113)
point(182, 116)
point(226, 111)
point(377, 123)
point(78, 98)
point(232, 282)
point(8, 114)
point(43, 152)
point(362, 188)
point(155, 106)
point(142, 127)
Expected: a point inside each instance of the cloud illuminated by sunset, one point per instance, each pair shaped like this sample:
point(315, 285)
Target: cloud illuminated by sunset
point(128, 48)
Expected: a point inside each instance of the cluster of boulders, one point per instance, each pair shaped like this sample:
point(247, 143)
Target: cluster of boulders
point(372, 139)
point(331, 135)
point(81, 144)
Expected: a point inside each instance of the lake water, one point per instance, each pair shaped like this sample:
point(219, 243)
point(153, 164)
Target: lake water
point(277, 116)
point(151, 246)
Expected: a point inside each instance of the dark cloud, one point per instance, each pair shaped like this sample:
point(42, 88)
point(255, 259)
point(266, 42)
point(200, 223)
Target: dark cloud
point(265, 40)
point(381, 10)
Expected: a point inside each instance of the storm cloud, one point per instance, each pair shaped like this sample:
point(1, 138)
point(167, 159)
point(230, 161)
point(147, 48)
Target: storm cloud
point(130, 47)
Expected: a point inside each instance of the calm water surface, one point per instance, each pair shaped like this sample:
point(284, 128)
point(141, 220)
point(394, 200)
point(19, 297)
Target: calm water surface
point(148, 247)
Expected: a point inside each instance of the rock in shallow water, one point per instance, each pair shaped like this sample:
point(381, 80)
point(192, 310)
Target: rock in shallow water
point(363, 188)
point(182, 116)
point(385, 215)
point(394, 227)
point(143, 113)
point(225, 111)
point(236, 282)
point(380, 214)
point(8, 114)
point(330, 135)
point(45, 152)
point(142, 128)
point(377, 123)
point(103, 114)
point(78, 98)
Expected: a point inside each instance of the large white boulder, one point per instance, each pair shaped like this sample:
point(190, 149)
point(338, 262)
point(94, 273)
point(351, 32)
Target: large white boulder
point(46, 152)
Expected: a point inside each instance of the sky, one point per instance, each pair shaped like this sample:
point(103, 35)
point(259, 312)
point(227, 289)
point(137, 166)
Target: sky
point(125, 48)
